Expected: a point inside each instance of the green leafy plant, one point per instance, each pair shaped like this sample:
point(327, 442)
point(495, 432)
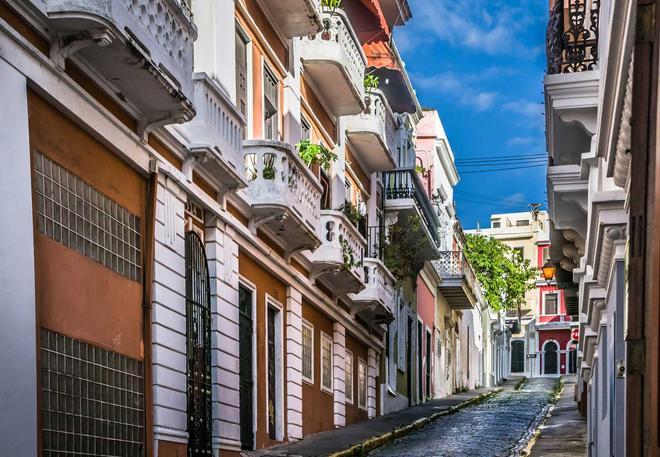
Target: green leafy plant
point(371, 82)
point(268, 172)
point(401, 247)
point(351, 213)
point(315, 153)
point(420, 170)
point(349, 257)
point(505, 277)
point(331, 3)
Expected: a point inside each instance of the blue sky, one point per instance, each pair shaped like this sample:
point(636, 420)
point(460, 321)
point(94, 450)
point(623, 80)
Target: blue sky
point(480, 63)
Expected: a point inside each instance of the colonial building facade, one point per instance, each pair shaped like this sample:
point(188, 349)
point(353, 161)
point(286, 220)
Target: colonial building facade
point(206, 200)
point(601, 120)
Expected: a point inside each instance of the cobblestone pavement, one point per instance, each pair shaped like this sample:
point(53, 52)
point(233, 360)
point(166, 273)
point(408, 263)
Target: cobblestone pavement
point(489, 429)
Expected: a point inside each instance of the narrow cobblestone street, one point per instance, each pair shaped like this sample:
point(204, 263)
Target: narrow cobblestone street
point(489, 429)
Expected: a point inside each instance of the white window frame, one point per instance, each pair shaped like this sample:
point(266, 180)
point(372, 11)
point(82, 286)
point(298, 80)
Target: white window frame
point(279, 368)
point(325, 338)
point(363, 363)
point(311, 328)
point(543, 298)
point(348, 386)
point(250, 78)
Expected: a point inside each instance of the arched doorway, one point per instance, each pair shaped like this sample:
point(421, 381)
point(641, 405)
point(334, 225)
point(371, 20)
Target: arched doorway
point(550, 358)
point(198, 336)
point(517, 356)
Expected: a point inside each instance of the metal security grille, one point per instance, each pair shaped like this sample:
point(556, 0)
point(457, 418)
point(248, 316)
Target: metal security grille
point(91, 400)
point(73, 213)
point(198, 319)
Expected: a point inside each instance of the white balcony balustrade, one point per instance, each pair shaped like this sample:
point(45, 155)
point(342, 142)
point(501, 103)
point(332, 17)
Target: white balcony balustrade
point(373, 133)
point(340, 259)
point(334, 61)
point(144, 48)
point(284, 194)
point(459, 284)
point(216, 133)
point(374, 303)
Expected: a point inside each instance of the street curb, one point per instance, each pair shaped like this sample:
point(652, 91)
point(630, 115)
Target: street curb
point(363, 448)
point(527, 442)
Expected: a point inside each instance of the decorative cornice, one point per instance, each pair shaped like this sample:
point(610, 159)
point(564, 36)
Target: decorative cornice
point(622, 155)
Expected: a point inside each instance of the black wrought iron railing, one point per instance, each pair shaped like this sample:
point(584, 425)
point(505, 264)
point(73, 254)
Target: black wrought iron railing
point(375, 242)
point(572, 36)
point(405, 183)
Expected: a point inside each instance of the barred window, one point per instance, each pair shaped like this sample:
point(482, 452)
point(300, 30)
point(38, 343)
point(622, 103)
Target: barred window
point(326, 362)
point(73, 213)
point(362, 384)
point(348, 377)
point(92, 400)
point(308, 352)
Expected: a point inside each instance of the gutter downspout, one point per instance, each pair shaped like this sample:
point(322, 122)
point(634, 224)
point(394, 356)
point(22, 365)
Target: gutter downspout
point(147, 285)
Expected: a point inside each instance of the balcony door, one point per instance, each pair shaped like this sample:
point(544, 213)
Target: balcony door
point(198, 348)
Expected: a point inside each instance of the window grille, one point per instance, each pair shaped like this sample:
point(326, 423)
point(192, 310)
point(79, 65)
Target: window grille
point(348, 379)
point(308, 352)
point(92, 400)
point(326, 362)
point(362, 384)
point(73, 213)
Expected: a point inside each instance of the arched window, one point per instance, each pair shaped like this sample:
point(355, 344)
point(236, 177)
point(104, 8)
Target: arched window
point(198, 337)
point(550, 358)
point(517, 356)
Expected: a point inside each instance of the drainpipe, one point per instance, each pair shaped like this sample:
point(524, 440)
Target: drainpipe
point(147, 288)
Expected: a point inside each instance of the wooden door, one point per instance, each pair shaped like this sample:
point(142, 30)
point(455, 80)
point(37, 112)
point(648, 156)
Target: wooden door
point(246, 354)
point(272, 373)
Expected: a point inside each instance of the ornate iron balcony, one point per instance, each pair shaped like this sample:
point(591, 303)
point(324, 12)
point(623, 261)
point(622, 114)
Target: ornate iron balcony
point(406, 184)
point(572, 36)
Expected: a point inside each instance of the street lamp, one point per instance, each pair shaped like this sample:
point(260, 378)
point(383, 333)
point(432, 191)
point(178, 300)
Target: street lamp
point(549, 270)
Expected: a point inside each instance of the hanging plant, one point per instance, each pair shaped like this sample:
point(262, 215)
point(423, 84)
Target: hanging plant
point(349, 257)
point(371, 82)
point(401, 247)
point(420, 170)
point(315, 153)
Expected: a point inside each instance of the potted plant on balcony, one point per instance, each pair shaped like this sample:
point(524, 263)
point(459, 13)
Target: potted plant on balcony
point(311, 153)
point(329, 6)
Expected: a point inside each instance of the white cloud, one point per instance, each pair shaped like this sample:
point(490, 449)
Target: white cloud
point(524, 108)
point(522, 141)
point(460, 88)
point(516, 198)
point(484, 100)
point(489, 26)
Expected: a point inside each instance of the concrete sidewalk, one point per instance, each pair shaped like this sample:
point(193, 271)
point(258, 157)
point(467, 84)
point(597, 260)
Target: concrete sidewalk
point(380, 430)
point(564, 432)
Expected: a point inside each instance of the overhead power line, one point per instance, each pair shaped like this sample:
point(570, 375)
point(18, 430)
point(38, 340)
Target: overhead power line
point(490, 170)
point(498, 158)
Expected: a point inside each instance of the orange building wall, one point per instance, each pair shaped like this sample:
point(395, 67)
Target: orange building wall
point(75, 295)
point(318, 406)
